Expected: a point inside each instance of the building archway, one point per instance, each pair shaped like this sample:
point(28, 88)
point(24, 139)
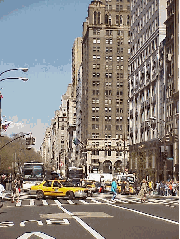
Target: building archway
point(107, 166)
point(118, 166)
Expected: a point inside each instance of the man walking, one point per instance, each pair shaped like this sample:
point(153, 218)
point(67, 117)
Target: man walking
point(113, 188)
point(1, 194)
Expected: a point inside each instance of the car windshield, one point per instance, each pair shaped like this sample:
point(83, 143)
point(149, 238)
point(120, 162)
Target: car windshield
point(67, 184)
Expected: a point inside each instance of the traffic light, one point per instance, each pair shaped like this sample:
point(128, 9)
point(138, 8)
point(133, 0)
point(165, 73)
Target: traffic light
point(33, 141)
point(28, 141)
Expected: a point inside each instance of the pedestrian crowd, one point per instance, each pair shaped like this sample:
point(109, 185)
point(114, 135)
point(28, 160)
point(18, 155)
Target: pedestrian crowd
point(170, 188)
point(12, 184)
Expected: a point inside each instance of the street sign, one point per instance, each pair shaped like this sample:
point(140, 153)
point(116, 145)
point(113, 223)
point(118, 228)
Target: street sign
point(170, 158)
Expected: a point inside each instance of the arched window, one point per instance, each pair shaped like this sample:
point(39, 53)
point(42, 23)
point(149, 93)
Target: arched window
point(106, 19)
point(128, 20)
point(121, 19)
point(99, 18)
point(110, 20)
point(95, 18)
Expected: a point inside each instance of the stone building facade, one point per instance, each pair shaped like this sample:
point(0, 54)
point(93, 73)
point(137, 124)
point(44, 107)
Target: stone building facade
point(105, 54)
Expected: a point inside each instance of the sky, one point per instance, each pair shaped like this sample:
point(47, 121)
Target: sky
point(38, 35)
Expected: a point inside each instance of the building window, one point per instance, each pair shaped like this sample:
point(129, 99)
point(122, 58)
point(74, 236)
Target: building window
point(108, 127)
point(95, 135)
point(121, 20)
point(99, 17)
point(95, 18)
point(95, 126)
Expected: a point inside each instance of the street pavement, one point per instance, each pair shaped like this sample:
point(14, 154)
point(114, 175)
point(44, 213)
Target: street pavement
point(94, 217)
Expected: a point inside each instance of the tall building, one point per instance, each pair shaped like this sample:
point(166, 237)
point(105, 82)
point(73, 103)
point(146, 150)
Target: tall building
point(172, 84)
point(147, 101)
point(105, 54)
point(76, 62)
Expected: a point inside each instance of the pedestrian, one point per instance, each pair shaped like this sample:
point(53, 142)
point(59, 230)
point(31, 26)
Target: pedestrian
point(113, 188)
point(170, 188)
point(150, 187)
point(123, 186)
point(15, 190)
point(2, 189)
point(102, 186)
point(127, 187)
point(174, 189)
point(143, 191)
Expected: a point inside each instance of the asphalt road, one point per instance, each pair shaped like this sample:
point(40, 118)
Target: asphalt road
point(96, 217)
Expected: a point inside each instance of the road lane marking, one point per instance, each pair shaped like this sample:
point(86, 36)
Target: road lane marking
point(70, 202)
point(39, 234)
point(93, 200)
point(88, 228)
point(18, 203)
point(44, 202)
point(84, 202)
point(31, 202)
point(81, 222)
point(143, 213)
point(22, 224)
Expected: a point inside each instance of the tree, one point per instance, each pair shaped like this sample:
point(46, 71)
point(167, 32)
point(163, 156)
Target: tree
point(14, 154)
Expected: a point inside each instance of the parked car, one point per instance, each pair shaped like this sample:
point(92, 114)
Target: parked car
point(56, 188)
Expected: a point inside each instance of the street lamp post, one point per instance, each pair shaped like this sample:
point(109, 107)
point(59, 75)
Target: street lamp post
point(11, 78)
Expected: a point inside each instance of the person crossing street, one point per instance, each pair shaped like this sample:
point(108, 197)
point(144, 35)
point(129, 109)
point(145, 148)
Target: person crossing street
point(113, 188)
point(2, 189)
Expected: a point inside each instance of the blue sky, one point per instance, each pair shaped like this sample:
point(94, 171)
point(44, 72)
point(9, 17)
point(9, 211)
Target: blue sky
point(38, 35)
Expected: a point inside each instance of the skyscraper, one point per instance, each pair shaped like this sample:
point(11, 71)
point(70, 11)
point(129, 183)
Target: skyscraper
point(147, 100)
point(105, 53)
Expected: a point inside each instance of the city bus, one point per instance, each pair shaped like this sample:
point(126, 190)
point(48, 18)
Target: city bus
point(75, 175)
point(32, 173)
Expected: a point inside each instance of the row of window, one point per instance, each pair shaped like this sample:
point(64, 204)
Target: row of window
point(96, 31)
point(110, 58)
point(107, 110)
point(109, 101)
point(107, 118)
point(107, 127)
point(108, 84)
point(107, 75)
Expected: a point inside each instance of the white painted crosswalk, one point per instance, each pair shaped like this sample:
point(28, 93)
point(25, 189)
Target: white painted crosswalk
point(93, 200)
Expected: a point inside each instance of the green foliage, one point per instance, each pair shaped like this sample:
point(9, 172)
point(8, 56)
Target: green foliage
point(13, 155)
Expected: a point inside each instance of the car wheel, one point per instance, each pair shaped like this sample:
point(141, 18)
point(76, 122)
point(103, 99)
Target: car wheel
point(40, 195)
point(70, 195)
point(91, 194)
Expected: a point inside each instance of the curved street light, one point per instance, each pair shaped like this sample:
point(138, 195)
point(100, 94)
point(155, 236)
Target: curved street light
point(11, 78)
point(15, 69)
point(15, 78)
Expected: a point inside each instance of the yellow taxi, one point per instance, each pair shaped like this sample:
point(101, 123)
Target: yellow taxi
point(128, 190)
point(92, 185)
point(108, 186)
point(58, 188)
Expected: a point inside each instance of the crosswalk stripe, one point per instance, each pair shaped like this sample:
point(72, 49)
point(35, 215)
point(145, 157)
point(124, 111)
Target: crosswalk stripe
point(31, 202)
point(18, 203)
point(93, 200)
point(84, 202)
point(70, 202)
point(44, 202)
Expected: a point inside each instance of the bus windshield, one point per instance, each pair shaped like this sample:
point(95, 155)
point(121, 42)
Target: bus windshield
point(33, 172)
